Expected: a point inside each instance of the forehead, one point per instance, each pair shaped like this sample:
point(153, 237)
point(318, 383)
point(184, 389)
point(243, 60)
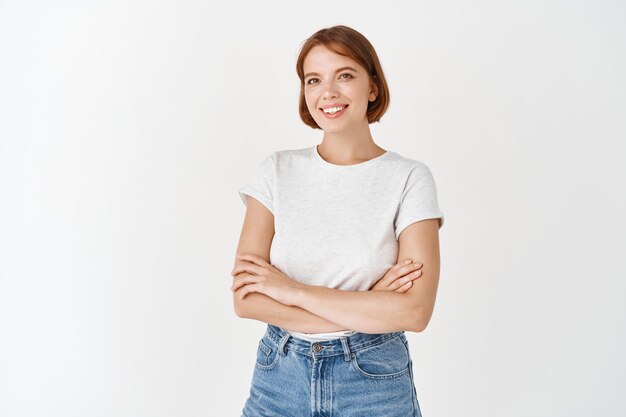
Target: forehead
point(321, 59)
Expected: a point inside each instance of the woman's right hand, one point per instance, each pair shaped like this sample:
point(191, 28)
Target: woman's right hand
point(399, 278)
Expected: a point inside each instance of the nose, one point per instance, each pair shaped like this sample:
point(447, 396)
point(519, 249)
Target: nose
point(330, 91)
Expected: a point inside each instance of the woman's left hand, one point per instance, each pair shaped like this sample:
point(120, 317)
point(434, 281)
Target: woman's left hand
point(264, 278)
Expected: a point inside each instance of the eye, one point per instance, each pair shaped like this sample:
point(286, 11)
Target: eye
point(345, 73)
point(311, 79)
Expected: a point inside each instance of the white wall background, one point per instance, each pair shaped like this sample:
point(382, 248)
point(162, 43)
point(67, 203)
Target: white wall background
point(126, 128)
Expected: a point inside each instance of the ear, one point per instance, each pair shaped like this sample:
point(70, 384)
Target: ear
point(373, 91)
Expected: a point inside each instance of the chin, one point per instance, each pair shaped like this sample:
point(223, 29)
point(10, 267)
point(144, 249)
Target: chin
point(331, 129)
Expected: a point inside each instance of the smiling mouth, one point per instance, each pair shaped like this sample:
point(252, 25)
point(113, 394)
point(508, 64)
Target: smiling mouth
point(334, 111)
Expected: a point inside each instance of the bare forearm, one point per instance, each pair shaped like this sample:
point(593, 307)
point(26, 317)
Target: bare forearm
point(363, 311)
point(258, 306)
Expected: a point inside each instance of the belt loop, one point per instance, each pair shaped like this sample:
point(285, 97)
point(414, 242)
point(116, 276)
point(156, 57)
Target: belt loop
point(346, 349)
point(283, 343)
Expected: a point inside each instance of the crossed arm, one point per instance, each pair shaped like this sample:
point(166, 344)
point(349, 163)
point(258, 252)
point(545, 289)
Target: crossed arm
point(315, 309)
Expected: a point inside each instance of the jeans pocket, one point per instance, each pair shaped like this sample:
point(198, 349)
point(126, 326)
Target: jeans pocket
point(266, 355)
point(386, 360)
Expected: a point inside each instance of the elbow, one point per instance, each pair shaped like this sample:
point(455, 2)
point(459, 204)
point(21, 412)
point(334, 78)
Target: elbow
point(419, 326)
point(420, 321)
point(424, 320)
point(239, 305)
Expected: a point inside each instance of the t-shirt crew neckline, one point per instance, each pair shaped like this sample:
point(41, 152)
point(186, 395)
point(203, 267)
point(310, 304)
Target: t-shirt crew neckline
point(318, 157)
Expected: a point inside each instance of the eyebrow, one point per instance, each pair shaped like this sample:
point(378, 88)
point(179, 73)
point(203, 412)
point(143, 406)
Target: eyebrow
point(338, 70)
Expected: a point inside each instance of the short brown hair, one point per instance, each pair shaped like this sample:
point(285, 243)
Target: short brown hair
point(346, 41)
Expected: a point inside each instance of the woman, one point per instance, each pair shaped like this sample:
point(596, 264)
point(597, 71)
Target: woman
point(341, 222)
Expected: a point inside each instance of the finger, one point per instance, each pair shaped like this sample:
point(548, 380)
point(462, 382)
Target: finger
point(398, 283)
point(241, 274)
point(393, 273)
point(405, 287)
point(412, 276)
point(238, 285)
point(399, 270)
point(253, 258)
point(247, 290)
point(239, 263)
point(243, 280)
point(403, 263)
point(407, 278)
point(407, 269)
point(389, 279)
point(247, 267)
point(235, 285)
point(240, 268)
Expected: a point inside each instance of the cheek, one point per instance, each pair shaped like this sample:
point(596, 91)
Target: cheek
point(310, 102)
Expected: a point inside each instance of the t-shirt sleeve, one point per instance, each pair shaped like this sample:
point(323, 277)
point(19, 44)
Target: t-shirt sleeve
point(262, 185)
point(419, 200)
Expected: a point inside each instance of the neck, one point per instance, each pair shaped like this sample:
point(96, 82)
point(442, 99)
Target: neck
point(346, 148)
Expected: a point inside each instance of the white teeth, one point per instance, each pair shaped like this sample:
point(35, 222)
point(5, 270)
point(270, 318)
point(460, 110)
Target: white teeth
point(333, 110)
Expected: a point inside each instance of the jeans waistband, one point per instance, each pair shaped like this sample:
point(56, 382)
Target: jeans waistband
point(342, 346)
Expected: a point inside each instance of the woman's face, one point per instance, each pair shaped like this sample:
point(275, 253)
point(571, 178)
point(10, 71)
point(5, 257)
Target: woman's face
point(333, 80)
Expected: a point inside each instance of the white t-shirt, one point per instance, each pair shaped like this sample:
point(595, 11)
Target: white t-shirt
point(338, 225)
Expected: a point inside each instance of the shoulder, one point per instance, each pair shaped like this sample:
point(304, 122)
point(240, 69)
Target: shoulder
point(405, 165)
point(287, 156)
point(290, 153)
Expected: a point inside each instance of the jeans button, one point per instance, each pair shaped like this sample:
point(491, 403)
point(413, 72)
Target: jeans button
point(317, 347)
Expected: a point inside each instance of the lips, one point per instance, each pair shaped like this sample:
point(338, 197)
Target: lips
point(334, 115)
point(330, 105)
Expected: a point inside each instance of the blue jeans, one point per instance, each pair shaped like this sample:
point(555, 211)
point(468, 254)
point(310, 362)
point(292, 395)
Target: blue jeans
point(360, 375)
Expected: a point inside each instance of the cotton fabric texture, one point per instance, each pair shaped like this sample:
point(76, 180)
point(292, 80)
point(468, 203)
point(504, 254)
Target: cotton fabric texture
point(337, 226)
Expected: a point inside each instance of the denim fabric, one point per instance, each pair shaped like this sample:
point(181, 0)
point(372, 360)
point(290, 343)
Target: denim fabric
point(360, 375)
